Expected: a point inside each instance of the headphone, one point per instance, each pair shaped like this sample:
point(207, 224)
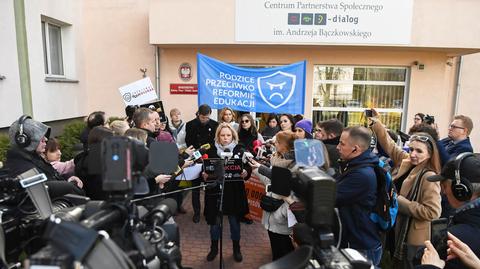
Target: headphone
point(21, 138)
point(461, 187)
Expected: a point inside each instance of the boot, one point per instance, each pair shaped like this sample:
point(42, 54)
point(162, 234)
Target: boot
point(237, 255)
point(213, 251)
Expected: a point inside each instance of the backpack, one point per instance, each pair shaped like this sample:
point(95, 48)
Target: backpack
point(385, 210)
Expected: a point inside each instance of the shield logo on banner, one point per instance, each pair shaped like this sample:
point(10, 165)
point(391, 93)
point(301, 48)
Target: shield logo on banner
point(277, 88)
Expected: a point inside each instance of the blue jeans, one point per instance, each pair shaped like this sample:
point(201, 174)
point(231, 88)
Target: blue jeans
point(234, 229)
point(374, 255)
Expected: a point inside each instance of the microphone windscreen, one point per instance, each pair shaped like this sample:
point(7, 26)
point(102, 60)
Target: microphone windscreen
point(281, 181)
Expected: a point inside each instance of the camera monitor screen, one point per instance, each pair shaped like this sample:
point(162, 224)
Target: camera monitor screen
point(309, 152)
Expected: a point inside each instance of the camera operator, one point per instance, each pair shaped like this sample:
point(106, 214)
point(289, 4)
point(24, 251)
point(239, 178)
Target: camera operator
point(200, 131)
point(235, 204)
point(357, 192)
point(460, 182)
point(276, 222)
point(28, 139)
point(458, 140)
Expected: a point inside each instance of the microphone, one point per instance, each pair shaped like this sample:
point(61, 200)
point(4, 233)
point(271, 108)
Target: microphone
point(226, 154)
point(198, 153)
point(204, 156)
point(163, 211)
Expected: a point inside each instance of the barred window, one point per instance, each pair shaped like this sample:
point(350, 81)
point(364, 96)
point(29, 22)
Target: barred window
point(344, 92)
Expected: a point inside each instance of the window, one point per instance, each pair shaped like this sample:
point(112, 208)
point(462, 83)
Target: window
point(344, 92)
point(52, 49)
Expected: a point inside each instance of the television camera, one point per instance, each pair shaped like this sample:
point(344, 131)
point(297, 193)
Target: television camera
point(317, 190)
point(73, 231)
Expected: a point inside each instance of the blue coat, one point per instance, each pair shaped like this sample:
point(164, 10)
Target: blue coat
point(453, 149)
point(356, 197)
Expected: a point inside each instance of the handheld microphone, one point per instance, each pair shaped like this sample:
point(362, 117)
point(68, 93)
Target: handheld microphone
point(246, 155)
point(198, 153)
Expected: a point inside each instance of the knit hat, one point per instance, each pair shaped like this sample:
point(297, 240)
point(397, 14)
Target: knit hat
point(305, 125)
point(35, 130)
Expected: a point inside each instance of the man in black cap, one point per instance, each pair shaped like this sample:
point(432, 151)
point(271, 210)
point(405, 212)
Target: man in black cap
point(460, 182)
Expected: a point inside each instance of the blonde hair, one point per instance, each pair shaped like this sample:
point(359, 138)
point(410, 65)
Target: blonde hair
point(119, 127)
point(227, 126)
point(222, 113)
point(138, 134)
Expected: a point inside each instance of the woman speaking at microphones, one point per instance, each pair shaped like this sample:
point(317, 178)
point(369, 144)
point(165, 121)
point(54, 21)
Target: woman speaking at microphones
point(235, 204)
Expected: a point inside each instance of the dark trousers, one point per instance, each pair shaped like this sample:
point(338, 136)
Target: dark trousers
point(281, 245)
point(196, 196)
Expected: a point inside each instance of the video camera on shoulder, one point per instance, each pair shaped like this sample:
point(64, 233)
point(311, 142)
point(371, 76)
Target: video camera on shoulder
point(429, 119)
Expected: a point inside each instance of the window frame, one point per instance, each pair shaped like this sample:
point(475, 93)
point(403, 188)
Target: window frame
point(45, 24)
point(406, 84)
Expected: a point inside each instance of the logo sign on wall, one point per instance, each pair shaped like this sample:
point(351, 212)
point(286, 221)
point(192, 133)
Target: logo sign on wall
point(269, 90)
point(324, 21)
point(185, 72)
point(138, 92)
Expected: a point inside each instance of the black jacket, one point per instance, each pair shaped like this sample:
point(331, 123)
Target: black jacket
point(198, 134)
point(234, 196)
point(19, 161)
point(333, 155)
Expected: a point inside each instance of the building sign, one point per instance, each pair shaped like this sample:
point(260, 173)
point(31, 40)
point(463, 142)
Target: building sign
point(269, 90)
point(183, 88)
point(138, 92)
point(185, 72)
point(324, 21)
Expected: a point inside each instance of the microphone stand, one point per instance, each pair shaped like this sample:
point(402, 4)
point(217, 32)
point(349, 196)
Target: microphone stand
point(203, 185)
point(220, 210)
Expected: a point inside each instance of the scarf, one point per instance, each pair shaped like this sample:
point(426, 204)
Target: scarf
point(221, 148)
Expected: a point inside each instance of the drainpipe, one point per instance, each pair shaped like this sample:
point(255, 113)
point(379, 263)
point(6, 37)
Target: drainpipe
point(157, 71)
point(457, 86)
point(22, 51)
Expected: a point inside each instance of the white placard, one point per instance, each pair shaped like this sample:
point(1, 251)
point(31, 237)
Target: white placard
point(324, 21)
point(138, 92)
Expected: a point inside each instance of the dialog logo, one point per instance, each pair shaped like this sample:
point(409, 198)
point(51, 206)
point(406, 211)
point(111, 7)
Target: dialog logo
point(277, 88)
point(127, 97)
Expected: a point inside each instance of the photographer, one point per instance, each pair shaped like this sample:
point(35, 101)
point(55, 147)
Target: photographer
point(235, 204)
point(456, 250)
point(28, 139)
point(460, 182)
point(418, 199)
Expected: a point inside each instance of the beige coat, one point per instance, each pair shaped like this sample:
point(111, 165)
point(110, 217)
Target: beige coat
point(428, 204)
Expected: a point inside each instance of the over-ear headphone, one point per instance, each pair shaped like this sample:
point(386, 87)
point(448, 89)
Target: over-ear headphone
point(461, 187)
point(21, 138)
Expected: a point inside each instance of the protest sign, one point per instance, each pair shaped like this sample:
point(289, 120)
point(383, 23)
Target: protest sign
point(268, 90)
point(138, 92)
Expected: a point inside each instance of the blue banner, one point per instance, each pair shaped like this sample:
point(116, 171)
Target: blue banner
point(271, 90)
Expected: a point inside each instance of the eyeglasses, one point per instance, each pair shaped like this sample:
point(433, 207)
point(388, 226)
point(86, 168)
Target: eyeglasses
point(451, 126)
point(421, 138)
point(245, 121)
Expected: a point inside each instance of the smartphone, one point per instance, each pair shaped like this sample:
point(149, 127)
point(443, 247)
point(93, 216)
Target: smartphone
point(438, 236)
point(368, 113)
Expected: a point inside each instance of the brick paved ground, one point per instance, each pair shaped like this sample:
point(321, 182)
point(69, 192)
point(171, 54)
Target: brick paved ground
point(195, 243)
